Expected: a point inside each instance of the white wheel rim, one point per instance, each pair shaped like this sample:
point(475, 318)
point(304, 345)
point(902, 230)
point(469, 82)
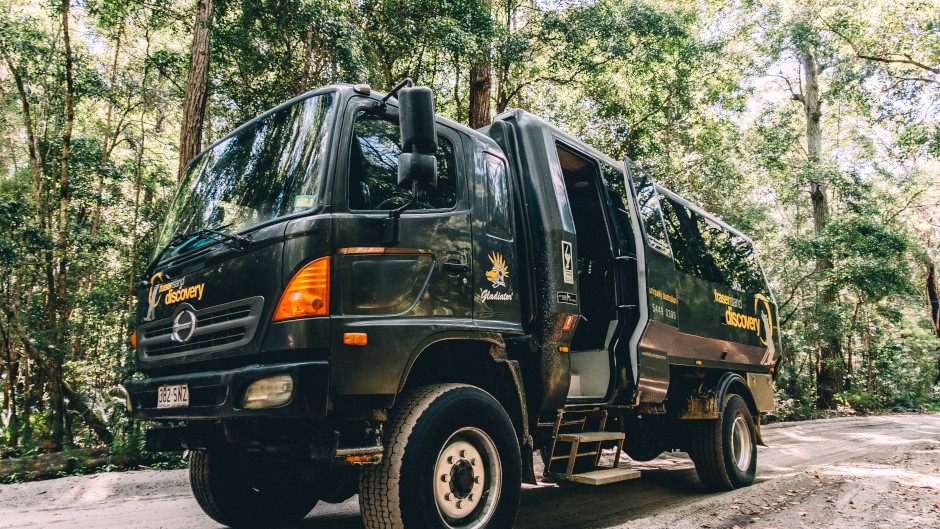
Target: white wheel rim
point(467, 479)
point(741, 446)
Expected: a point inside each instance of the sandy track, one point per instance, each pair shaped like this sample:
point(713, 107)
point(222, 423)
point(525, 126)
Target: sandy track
point(838, 473)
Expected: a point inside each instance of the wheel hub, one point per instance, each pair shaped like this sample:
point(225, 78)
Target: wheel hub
point(467, 479)
point(741, 445)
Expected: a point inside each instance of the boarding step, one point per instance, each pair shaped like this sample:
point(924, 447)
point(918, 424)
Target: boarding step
point(590, 437)
point(604, 476)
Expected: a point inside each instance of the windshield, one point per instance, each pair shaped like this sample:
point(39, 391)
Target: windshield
point(270, 168)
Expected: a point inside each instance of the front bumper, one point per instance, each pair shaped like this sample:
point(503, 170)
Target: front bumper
point(217, 394)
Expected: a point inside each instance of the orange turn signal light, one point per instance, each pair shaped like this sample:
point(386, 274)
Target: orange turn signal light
point(134, 339)
point(360, 459)
point(307, 294)
point(698, 362)
point(563, 349)
point(355, 338)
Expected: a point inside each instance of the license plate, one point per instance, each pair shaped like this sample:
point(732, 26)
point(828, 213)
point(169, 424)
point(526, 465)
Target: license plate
point(175, 396)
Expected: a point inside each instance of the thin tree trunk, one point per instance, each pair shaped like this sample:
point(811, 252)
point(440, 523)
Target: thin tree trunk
point(105, 148)
point(28, 122)
point(831, 377)
point(194, 101)
point(132, 290)
point(60, 309)
point(35, 364)
point(933, 298)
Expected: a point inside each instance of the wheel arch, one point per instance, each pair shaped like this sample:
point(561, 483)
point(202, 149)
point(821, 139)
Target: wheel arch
point(478, 360)
point(706, 399)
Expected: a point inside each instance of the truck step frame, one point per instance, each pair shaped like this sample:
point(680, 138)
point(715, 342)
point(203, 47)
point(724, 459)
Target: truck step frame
point(592, 441)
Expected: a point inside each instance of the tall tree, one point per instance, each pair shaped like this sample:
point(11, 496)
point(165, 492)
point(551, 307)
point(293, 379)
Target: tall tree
point(194, 100)
point(481, 82)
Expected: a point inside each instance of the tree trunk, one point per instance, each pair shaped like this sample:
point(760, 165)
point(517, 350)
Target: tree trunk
point(31, 144)
point(933, 298)
point(60, 310)
point(194, 100)
point(35, 362)
point(831, 378)
point(480, 87)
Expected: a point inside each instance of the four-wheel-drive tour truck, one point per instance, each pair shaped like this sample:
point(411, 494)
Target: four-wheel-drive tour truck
point(353, 294)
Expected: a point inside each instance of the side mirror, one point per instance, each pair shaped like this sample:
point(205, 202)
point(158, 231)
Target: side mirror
point(418, 163)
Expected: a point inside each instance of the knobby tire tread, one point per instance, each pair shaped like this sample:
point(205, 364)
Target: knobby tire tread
point(379, 500)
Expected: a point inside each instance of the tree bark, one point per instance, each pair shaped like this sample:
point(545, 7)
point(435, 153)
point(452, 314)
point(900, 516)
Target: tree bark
point(831, 379)
point(194, 100)
point(480, 88)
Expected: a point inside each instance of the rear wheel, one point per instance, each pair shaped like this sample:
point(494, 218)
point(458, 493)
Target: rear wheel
point(724, 450)
point(241, 491)
point(451, 462)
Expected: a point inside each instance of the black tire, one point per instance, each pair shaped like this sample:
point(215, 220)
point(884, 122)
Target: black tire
point(339, 484)
point(240, 491)
point(725, 450)
point(449, 429)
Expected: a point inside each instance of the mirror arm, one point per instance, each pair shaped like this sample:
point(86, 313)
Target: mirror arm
point(380, 105)
point(391, 227)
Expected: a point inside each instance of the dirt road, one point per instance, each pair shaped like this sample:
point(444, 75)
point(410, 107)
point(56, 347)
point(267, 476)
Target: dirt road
point(844, 473)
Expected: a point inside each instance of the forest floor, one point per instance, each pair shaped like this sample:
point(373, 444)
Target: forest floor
point(843, 473)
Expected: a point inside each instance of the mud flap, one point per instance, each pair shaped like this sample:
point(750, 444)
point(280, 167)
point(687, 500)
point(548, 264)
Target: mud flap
point(760, 440)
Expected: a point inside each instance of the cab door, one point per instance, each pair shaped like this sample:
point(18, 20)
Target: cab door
point(397, 294)
point(496, 273)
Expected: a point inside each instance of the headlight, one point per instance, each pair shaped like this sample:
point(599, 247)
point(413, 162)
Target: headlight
point(268, 392)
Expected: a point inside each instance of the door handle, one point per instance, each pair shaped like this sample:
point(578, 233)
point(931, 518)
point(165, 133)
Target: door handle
point(455, 267)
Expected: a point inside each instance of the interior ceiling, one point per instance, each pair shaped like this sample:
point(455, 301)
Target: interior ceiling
point(570, 161)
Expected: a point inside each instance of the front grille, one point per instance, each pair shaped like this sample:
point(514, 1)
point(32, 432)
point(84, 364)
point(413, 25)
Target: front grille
point(204, 341)
point(217, 328)
point(207, 318)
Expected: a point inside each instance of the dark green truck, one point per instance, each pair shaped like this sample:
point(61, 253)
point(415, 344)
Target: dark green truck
point(352, 294)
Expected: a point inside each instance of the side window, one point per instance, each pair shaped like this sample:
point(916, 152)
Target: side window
point(617, 194)
point(498, 204)
point(718, 251)
point(706, 250)
point(373, 169)
point(692, 242)
point(648, 201)
point(743, 271)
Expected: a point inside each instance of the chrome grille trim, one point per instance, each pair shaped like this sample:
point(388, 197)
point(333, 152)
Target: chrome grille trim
point(221, 327)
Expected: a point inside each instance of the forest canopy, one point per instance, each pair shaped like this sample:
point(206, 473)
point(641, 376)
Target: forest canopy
point(813, 127)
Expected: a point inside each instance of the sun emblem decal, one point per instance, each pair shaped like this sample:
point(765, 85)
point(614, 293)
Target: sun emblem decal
point(498, 274)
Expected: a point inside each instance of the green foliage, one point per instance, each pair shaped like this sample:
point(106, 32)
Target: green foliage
point(706, 98)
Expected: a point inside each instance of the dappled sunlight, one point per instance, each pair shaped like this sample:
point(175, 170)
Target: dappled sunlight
point(885, 439)
point(907, 478)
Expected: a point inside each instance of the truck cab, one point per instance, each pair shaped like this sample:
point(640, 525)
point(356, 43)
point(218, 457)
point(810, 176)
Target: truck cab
point(352, 294)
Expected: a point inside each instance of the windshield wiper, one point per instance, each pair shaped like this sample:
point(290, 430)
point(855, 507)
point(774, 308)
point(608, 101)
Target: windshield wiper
point(181, 240)
point(239, 242)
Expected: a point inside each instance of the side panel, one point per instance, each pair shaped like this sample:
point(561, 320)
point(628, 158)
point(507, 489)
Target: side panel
point(661, 292)
point(726, 310)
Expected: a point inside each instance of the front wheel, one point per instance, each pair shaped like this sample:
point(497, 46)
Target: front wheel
point(238, 489)
point(724, 450)
point(452, 462)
